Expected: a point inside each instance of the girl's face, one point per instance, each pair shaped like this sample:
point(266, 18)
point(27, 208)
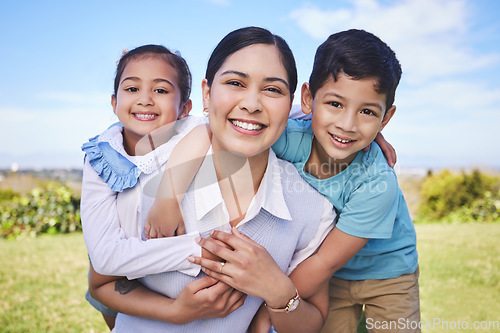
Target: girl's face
point(148, 97)
point(249, 101)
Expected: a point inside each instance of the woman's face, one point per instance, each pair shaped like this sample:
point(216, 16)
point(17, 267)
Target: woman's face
point(249, 101)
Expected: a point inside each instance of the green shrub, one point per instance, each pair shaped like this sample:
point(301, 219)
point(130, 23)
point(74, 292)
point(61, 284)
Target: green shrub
point(451, 197)
point(49, 209)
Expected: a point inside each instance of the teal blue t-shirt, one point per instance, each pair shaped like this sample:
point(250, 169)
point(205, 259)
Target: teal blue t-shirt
point(369, 202)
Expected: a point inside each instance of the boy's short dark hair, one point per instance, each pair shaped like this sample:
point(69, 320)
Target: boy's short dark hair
point(359, 54)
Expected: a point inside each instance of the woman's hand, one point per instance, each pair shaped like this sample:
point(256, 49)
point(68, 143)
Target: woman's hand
point(206, 298)
point(248, 267)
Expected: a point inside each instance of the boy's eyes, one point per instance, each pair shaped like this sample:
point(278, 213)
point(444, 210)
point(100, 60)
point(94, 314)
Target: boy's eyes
point(335, 104)
point(368, 112)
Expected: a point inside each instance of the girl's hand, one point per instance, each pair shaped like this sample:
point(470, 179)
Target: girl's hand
point(164, 219)
point(248, 267)
point(207, 298)
point(387, 149)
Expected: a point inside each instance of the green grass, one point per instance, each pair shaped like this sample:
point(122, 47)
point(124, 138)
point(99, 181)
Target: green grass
point(43, 280)
point(42, 286)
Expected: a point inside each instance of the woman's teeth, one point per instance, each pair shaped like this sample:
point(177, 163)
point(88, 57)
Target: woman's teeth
point(247, 126)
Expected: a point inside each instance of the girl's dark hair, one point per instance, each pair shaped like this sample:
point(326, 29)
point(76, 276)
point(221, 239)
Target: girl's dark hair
point(241, 38)
point(358, 54)
point(175, 60)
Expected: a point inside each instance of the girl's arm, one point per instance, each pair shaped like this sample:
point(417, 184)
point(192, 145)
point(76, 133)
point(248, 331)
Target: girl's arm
point(165, 218)
point(251, 269)
point(111, 252)
point(200, 299)
point(335, 251)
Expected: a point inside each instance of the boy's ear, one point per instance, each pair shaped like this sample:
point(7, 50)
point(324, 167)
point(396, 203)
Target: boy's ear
point(387, 117)
point(306, 99)
point(113, 103)
point(206, 93)
point(186, 108)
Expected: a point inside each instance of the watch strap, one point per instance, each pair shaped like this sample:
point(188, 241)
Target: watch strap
point(289, 305)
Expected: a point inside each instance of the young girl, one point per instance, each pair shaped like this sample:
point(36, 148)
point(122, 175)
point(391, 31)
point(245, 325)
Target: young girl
point(248, 91)
point(151, 100)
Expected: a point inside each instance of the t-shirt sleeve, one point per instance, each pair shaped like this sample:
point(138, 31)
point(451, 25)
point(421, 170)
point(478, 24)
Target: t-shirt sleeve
point(371, 208)
point(294, 144)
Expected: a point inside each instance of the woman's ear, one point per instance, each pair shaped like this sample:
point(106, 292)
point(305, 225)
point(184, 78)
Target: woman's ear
point(206, 93)
point(306, 98)
point(387, 117)
point(113, 103)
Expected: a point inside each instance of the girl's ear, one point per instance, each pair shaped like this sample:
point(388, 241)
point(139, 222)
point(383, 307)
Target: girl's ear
point(387, 117)
point(113, 103)
point(186, 108)
point(306, 99)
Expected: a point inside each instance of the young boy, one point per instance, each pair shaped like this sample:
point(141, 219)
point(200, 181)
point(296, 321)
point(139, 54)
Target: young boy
point(371, 253)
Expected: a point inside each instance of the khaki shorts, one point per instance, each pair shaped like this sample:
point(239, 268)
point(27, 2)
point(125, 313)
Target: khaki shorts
point(391, 305)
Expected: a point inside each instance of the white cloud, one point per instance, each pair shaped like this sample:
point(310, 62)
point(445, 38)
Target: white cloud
point(74, 98)
point(429, 36)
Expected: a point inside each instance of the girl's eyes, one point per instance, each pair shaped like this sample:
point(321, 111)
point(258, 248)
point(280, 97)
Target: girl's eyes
point(157, 90)
point(161, 91)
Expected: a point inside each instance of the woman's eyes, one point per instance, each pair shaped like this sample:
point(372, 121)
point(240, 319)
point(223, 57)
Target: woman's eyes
point(132, 89)
point(275, 90)
point(234, 83)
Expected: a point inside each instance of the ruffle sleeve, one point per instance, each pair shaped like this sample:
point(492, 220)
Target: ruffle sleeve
point(113, 168)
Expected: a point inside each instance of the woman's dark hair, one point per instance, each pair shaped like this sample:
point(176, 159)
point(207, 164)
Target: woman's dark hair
point(175, 60)
point(241, 38)
point(358, 54)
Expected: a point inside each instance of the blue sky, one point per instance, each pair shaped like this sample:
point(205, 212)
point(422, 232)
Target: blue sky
point(58, 61)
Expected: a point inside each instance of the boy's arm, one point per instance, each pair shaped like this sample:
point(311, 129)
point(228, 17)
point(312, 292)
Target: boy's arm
point(111, 252)
point(165, 218)
point(200, 299)
point(337, 249)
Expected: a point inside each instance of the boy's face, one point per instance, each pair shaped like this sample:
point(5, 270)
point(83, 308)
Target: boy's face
point(347, 115)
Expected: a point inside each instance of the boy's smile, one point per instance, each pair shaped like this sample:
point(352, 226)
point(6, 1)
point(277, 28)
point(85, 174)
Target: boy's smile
point(347, 115)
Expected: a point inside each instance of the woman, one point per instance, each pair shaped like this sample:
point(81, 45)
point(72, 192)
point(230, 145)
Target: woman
point(247, 93)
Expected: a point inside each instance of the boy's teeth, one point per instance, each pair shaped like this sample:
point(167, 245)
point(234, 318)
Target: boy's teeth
point(341, 140)
point(247, 126)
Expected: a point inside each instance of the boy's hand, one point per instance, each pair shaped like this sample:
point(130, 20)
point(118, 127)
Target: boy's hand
point(165, 219)
point(261, 322)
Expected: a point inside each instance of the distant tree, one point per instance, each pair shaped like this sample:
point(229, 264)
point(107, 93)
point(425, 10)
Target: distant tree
point(446, 193)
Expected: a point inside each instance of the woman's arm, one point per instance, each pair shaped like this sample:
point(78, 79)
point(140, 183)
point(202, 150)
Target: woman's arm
point(251, 269)
point(200, 299)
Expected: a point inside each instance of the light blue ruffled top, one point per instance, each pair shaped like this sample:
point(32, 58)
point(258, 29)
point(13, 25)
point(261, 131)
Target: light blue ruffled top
point(107, 156)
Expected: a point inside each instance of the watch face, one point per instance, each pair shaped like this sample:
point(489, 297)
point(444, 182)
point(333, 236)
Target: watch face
point(294, 304)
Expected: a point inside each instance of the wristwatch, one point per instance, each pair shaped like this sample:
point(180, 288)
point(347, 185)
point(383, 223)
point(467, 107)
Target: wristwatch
point(292, 304)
